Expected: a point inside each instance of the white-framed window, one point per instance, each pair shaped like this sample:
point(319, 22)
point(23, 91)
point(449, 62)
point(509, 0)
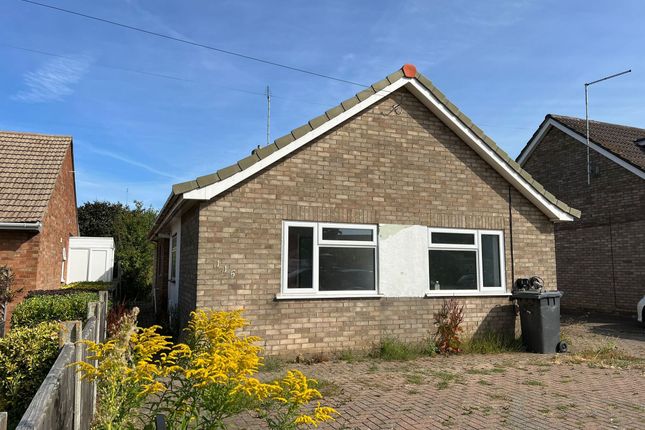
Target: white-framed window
point(329, 259)
point(466, 261)
point(173, 257)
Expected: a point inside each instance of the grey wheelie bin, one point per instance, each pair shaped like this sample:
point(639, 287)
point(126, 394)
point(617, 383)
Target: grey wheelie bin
point(540, 321)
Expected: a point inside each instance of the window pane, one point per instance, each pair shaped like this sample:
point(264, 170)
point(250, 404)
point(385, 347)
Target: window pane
point(360, 234)
point(346, 269)
point(490, 261)
point(300, 255)
point(454, 238)
point(453, 270)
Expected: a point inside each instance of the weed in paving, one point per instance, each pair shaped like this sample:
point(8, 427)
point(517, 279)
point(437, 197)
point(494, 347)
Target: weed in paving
point(414, 379)
point(445, 378)
point(534, 382)
point(484, 382)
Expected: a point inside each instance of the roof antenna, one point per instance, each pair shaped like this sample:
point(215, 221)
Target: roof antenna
point(587, 115)
point(268, 94)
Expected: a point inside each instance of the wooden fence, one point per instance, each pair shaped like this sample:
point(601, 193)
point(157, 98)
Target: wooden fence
point(63, 400)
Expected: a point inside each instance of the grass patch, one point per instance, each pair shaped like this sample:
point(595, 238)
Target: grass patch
point(534, 383)
point(565, 408)
point(445, 378)
point(492, 343)
point(414, 378)
point(487, 371)
point(391, 349)
point(272, 364)
point(484, 382)
point(607, 356)
point(351, 356)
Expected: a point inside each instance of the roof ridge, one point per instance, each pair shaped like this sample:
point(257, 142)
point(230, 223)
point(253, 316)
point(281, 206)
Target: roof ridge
point(28, 133)
point(556, 116)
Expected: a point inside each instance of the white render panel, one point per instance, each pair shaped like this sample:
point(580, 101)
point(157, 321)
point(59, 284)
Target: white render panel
point(403, 260)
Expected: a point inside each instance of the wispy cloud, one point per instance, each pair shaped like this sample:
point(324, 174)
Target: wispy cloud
point(54, 80)
point(128, 160)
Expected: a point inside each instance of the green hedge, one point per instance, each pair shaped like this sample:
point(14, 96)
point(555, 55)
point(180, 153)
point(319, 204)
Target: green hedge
point(26, 355)
point(60, 307)
point(88, 286)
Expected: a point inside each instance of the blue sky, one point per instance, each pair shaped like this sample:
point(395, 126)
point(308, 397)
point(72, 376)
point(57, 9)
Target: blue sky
point(505, 63)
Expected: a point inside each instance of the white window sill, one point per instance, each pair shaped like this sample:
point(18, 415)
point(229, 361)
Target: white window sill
point(293, 296)
point(467, 294)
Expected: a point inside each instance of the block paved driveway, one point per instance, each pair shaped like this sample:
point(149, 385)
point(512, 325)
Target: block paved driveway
point(517, 390)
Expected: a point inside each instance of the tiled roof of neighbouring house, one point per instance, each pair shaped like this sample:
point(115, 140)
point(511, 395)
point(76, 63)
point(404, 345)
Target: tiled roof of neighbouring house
point(29, 166)
point(406, 71)
point(621, 140)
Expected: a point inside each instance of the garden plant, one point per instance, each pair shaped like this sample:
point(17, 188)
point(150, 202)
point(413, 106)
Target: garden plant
point(197, 384)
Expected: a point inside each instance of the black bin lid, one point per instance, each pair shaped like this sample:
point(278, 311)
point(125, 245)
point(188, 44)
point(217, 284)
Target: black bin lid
point(536, 295)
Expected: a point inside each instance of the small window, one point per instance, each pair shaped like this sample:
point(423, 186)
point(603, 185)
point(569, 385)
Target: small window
point(348, 234)
point(301, 257)
point(466, 260)
point(329, 259)
point(453, 238)
point(173, 257)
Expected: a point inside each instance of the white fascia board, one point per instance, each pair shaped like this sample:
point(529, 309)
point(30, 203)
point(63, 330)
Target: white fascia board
point(430, 101)
point(599, 149)
point(217, 188)
point(488, 154)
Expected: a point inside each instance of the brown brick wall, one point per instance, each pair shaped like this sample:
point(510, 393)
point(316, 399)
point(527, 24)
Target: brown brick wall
point(600, 257)
point(398, 166)
point(60, 222)
point(37, 258)
point(188, 264)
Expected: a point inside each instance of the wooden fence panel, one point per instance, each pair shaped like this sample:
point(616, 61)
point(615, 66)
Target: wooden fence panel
point(63, 400)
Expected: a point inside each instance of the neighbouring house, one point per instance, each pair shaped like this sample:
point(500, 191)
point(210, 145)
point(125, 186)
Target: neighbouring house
point(601, 257)
point(356, 226)
point(37, 208)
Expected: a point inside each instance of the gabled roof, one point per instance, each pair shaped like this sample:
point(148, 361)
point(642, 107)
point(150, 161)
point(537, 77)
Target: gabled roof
point(619, 143)
point(29, 166)
point(208, 186)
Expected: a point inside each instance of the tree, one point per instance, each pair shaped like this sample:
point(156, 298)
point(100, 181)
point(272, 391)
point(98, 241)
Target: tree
point(134, 251)
point(96, 219)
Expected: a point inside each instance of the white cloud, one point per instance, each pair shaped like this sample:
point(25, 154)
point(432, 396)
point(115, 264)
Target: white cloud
point(54, 80)
point(129, 160)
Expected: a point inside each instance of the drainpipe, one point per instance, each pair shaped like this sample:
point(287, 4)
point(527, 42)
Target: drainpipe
point(37, 226)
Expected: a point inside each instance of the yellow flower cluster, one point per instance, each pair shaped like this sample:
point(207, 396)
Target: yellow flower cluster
point(215, 363)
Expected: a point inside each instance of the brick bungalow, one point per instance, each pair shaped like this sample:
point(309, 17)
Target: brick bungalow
point(37, 207)
point(356, 225)
point(601, 257)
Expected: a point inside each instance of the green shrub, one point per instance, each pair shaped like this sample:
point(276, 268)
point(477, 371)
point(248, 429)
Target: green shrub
point(60, 307)
point(88, 285)
point(492, 343)
point(26, 355)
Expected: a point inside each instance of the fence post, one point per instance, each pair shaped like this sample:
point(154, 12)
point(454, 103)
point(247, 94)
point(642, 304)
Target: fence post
point(102, 315)
point(78, 356)
point(3, 420)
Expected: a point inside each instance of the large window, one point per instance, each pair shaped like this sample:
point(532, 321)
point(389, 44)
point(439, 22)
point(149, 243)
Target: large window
point(466, 261)
point(329, 259)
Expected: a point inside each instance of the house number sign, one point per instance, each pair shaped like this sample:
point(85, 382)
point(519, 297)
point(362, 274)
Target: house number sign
point(226, 269)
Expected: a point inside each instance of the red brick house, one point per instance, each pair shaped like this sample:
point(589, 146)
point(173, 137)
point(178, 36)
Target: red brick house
point(601, 257)
point(356, 225)
point(37, 207)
